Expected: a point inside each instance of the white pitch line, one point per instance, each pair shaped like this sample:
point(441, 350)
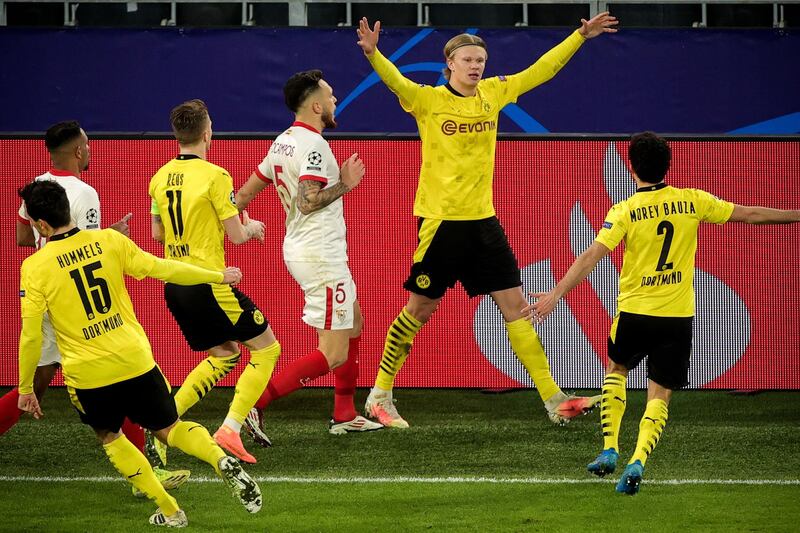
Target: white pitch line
point(429, 480)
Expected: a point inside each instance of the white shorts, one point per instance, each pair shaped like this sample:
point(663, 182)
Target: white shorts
point(50, 353)
point(330, 293)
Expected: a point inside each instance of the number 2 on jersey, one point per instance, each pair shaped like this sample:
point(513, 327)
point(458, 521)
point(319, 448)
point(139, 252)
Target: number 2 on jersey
point(668, 230)
point(97, 287)
point(175, 212)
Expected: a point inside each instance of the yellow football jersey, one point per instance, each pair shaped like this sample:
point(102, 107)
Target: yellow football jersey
point(193, 197)
point(459, 133)
point(78, 279)
point(659, 226)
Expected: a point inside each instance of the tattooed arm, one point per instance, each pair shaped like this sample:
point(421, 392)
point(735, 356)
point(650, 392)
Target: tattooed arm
point(312, 197)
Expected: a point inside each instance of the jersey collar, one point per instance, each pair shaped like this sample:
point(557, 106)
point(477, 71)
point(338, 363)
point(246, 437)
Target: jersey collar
point(187, 157)
point(649, 188)
point(450, 88)
point(306, 126)
point(61, 173)
point(64, 235)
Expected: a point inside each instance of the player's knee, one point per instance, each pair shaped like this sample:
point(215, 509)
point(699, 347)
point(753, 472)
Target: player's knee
point(336, 358)
point(335, 350)
point(616, 368)
point(422, 312)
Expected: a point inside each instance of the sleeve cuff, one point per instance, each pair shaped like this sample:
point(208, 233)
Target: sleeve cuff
point(311, 177)
point(22, 220)
point(261, 175)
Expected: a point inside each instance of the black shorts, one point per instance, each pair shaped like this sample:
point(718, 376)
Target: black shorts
point(210, 315)
point(474, 252)
point(145, 400)
point(666, 341)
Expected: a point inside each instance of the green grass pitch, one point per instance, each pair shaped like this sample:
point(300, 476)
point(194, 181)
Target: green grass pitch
point(469, 462)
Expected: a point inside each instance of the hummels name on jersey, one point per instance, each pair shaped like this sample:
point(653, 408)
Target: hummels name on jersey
point(79, 254)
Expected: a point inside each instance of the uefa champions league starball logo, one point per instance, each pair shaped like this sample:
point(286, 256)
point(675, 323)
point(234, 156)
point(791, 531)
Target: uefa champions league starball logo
point(573, 360)
point(91, 216)
point(315, 158)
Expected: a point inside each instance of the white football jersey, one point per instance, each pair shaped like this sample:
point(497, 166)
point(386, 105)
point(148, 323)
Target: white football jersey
point(298, 154)
point(84, 204)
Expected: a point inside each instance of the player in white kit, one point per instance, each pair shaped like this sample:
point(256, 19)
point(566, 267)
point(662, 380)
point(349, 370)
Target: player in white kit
point(310, 185)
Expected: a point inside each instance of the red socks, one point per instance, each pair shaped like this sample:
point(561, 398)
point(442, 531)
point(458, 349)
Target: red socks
point(310, 367)
point(9, 412)
point(135, 434)
point(346, 376)
point(294, 376)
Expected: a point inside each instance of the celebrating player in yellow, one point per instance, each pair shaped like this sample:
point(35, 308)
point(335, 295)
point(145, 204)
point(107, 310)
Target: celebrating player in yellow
point(197, 201)
point(107, 361)
point(656, 295)
point(460, 238)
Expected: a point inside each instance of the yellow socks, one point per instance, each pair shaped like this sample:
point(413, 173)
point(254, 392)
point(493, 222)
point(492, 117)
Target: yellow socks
point(612, 407)
point(650, 428)
point(193, 439)
point(202, 379)
point(132, 464)
point(252, 382)
point(395, 351)
point(528, 348)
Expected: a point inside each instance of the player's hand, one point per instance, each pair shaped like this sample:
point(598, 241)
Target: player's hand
point(352, 171)
point(231, 276)
point(122, 225)
point(539, 310)
point(368, 38)
point(29, 404)
point(254, 228)
point(598, 25)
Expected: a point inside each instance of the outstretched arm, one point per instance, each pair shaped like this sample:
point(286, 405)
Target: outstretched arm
point(547, 66)
point(764, 215)
point(583, 265)
point(388, 72)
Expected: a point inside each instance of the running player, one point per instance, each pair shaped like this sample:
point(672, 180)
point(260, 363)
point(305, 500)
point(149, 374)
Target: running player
point(197, 202)
point(460, 238)
point(656, 294)
point(68, 146)
point(108, 365)
point(310, 186)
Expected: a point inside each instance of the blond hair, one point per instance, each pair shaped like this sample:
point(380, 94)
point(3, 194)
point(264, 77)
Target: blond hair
point(464, 39)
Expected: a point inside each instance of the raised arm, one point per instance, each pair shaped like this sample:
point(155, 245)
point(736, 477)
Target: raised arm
point(547, 66)
point(312, 197)
point(583, 265)
point(764, 215)
point(386, 70)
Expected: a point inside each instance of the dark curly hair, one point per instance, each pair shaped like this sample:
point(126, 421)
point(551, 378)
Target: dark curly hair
point(46, 200)
point(650, 156)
